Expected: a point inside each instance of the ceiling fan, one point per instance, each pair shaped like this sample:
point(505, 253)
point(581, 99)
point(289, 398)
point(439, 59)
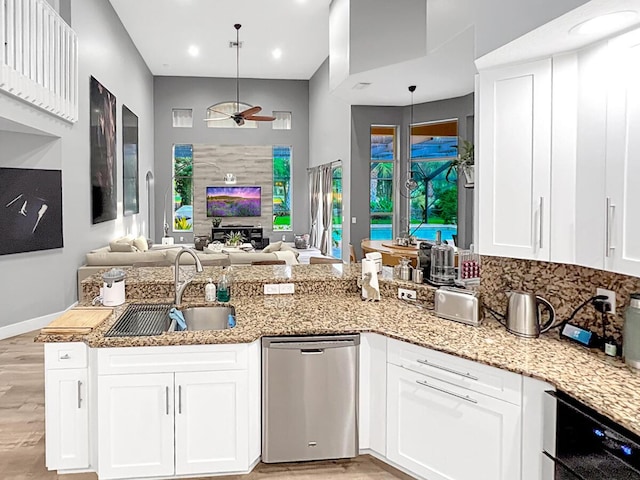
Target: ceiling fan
point(250, 113)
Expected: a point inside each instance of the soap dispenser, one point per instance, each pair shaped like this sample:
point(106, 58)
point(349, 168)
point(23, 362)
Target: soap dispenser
point(224, 287)
point(210, 291)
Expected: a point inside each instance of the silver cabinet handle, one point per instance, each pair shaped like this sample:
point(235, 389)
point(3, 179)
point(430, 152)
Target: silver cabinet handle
point(179, 398)
point(79, 394)
point(446, 369)
point(540, 227)
point(166, 395)
point(65, 357)
point(608, 222)
point(463, 397)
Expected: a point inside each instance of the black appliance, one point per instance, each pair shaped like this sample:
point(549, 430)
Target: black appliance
point(590, 446)
point(424, 258)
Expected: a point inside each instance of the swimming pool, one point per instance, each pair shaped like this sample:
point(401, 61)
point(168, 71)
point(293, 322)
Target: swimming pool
point(424, 232)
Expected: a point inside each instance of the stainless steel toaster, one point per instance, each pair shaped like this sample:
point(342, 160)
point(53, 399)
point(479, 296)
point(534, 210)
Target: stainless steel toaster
point(457, 304)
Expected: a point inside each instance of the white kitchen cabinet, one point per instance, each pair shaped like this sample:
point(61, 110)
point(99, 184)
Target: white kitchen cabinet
point(67, 419)
point(440, 431)
point(212, 422)
point(622, 201)
point(135, 425)
point(372, 396)
point(514, 158)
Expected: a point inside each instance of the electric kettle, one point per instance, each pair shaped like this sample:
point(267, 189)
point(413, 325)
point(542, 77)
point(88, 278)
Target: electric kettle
point(523, 314)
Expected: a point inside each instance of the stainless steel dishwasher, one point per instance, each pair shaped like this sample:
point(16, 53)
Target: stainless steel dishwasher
point(309, 398)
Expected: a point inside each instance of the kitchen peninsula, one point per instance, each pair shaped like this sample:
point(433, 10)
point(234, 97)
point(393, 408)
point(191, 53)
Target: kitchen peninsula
point(326, 301)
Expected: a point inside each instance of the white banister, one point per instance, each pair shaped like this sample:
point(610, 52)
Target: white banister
point(39, 57)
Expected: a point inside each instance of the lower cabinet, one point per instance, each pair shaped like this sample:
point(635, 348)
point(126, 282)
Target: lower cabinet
point(163, 424)
point(67, 419)
point(440, 431)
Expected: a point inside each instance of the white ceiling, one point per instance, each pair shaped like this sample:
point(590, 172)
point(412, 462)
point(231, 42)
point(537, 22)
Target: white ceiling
point(163, 31)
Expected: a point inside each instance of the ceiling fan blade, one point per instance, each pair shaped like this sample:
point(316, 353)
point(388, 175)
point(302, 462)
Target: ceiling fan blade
point(216, 119)
point(250, 111)
point(260, 118)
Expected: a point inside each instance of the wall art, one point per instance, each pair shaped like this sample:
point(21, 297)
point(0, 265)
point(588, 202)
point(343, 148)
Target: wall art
point(130, 191)
point(104, 194)
point(30, 210)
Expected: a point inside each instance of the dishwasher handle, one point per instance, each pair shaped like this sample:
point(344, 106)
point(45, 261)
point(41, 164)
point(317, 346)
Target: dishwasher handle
point(310, 343)
point(311, 351)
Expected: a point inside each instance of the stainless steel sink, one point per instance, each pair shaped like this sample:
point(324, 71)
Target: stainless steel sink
point(214, 317)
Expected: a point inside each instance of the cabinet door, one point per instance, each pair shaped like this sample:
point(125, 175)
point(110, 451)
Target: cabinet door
point(514, 161)
point(212, 429)
point(67, 419)
point(442, 432)
point(135, 422)
point(622, 204)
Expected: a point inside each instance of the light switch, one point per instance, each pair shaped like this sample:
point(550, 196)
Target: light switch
point(353, 219)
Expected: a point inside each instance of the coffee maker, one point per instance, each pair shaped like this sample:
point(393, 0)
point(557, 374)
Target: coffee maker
point(424, 259)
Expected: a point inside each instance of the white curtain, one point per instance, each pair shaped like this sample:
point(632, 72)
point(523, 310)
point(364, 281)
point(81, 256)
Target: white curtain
point(315, 184)
point(327, 203)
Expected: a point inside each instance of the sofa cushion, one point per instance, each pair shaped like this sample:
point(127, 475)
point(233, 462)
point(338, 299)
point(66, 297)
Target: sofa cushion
point(246, 258)
point(287, 256)
point(141, 243)
point(188, 259)
point(104, 256)
point(280, 247)
point(122, 244)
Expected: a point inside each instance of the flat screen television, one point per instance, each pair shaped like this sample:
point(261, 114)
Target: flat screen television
point(233, 201)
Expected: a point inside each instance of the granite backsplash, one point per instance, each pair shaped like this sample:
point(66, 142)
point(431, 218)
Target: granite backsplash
point(564, 286)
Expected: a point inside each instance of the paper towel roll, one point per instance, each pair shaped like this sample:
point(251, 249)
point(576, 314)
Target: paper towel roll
point(370, 291)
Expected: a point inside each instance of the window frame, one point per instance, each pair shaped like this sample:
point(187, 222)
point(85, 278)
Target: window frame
point(394, 164)
point(173, 189)
point(289, 227)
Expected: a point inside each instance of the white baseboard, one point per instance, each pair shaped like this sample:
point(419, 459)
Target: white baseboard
point(30, 325)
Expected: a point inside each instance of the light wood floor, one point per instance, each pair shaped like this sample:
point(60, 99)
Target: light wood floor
point(22, 429)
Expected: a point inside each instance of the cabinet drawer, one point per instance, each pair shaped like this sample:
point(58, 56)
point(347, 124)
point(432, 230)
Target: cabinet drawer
point(474, 376)
point(172, 359)
point(65, 355)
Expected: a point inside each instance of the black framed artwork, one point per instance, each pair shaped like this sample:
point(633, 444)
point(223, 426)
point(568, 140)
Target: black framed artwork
point(30, 210)
point(130, 162)
point(104, 194)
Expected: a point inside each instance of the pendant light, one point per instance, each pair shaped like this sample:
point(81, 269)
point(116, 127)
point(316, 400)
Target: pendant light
point(410, 184)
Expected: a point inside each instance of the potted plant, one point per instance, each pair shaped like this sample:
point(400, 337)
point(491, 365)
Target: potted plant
point(234, 239)
point(464, 163)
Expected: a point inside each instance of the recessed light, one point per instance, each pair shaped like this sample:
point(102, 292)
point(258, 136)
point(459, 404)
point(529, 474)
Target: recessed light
point(194, 51)
point(277, 53)
point(606, 23)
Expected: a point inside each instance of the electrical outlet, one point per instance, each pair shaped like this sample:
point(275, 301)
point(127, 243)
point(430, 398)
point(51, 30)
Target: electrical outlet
point(271, 289)
point(406, 294)
point(612, 298)
point(287, 288)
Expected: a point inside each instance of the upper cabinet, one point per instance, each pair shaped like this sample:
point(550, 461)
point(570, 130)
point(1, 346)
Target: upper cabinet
point(515, 160)
point(622, 200)
point(558, 155)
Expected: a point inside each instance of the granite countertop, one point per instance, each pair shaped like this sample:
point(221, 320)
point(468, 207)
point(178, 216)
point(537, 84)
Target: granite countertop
point(603, 383)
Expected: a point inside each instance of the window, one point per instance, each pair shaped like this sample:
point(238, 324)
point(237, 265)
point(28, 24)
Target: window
point(336, 212)
point(220, 115)
point(434, 203)
point(182, 188)
point(282, 188)
point(383, 156)
point(182, 117)
point(282, 121)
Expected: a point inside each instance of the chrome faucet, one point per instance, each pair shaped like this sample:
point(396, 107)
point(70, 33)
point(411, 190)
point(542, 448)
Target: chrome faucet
point(179, 288)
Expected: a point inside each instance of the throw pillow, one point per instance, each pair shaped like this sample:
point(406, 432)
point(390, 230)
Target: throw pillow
point(123, 244)
point(289, 248)
point(141, 243)
point(272, 247)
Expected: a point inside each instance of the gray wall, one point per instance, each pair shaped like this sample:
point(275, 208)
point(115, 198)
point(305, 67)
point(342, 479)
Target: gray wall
point(330, 138)
point(362, 118)
point(42, 283)
point(199, 94)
